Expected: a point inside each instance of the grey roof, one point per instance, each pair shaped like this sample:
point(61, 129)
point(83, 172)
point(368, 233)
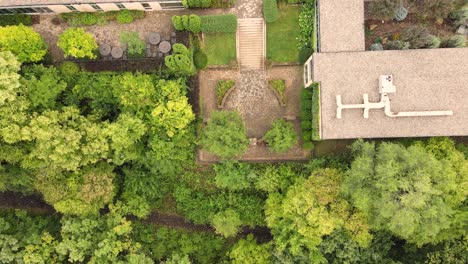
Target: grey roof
point(5, 3)
point(341, 25)
point(433, 79)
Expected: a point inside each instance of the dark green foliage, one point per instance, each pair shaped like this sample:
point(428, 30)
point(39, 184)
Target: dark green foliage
point(44, 86)
point(197, 3)
point(181, 61)
point(225, 135)
point(125, 17)
point(219, 23)
point(135, 45)
point(281, 137)
point(248, 251)
point(16, 19)
point(453, 252)
point(460, 16)
point(304, 54)
point(316, 111)
point(200, 59)
point(456, 41)
point(233, 175)
point(270, 10)
point(222, 88)
point(306, 113)
point(275, 178)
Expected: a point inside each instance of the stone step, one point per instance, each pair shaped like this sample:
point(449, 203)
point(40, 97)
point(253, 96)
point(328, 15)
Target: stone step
point(251, 43)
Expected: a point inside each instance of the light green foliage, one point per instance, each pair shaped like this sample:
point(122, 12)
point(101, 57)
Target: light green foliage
point(409, 191)
point(225, 135)
point(9, 77)
point(79, 193)
point(178, 259)
point(24, 42)
point(270, 10)
point(226, 23)
point(311, 209)
point(281, 137)
point(68, 69)
point(233, 175)
point(174, 115)
point(135, 46)
point(194, 24)
point(247, 251)
point(177, 22)
point(77, 43)
point(136, 93)
point(227, 223)
point(274, 178)
point(44, 86)
point(222, 88)
point(125, 17)
point(456, 41)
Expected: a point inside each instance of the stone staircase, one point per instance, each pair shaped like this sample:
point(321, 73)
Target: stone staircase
point(251, 44)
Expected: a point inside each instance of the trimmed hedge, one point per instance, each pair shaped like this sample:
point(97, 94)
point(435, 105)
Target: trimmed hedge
point(270, 10)
point(191, 23)
point(11, 20)
point(196, 3)
point(315, 111)
point(77, 19)
point(219, 23)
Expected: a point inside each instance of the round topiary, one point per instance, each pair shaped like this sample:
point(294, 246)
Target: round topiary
point(124, 17)
point(200, 60)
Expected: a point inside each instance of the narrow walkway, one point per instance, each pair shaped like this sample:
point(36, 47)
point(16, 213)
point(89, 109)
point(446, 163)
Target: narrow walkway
point(251, 44)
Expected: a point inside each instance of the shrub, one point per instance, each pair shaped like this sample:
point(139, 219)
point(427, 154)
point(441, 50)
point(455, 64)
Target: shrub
point(10, 20)
point(89, 19)
point(221, 89)
point(397, 45)
point(200, 59)
point(185, 21)
point(439, 9)
point(125, 17)
point(219, 23)
point(77, 43)
point(459, 17)
point(225, 135)
point(69, 68)
point(306, 26)
point(456, 41)
point(194, 24)
point(383, 9)
point(135, 46)
point(25, 43)
point(418, 37)
point(304, 54)
point(179, 48)
point(376, 47)
point(181, 61)
point(177, 22)
point(315, 111)
point(270, 10)
point(197, 3)
point(281, 137)
point(279, 86)
point(227, 223)
point(233, 175)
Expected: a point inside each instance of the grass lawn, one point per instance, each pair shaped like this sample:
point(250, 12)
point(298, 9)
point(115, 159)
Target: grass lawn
point(282, 34)
point(220, 48)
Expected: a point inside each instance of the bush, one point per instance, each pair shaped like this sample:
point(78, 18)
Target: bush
point(89, 19)
point(281, 137)
point(200, 59)
point(397, 45)
point(135, 46)
point(194, 24)
point(10, 20)
point(197, 3)
point(25, 43)
point(418, 37)
point(191, 23)
point(69, 68)
point(225, 135)
point(456, 41)
point(315, 111)
point(438, 9)
point(185, 21)
point(233, 175)
point(459, 17)
point(227, 223)
point(181, 61)
point(125, 17)
point(270, 10)
point(77, 43)
point(219, 23)
point(306, 26)
point(222, 88)
point(383, 9)
point(177, 22)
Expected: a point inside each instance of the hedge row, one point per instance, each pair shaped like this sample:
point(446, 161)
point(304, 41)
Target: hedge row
point(219, 23)
point(306, 114)
point(315, 111)
point(10, 20)
point(92, 18)
point(270, 10)
point(191, 23)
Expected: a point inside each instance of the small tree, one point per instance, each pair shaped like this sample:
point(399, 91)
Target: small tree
point(281, 137)
point(26, 44)
point(225, 135)
point(77, 43)
point(227, 223)
point(233, 176)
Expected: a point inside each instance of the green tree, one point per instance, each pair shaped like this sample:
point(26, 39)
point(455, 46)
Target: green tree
point(225, 135)
point(408, 191)
point(173, 115)
point(9, 77)
point(77, 43)
point(233, 175)
point(227, 223)
point(312, 208)
point(247, 251)
point(281, 137)
point(136, 93)
point(24, 42)
point(44, 89)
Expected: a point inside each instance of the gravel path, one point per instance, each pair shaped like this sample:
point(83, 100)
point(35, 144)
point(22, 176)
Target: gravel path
point(249, 8)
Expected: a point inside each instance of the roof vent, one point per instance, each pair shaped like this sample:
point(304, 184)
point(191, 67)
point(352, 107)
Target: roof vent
point(386, 84)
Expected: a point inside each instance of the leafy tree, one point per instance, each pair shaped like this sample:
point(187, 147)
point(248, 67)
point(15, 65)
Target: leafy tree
point(408, 191)
point(233, 176)
point(453, 252)
point(247, 251)
point(77, 43)
point(312, 208)
point(225, 135)
point(24, 42)
point(275, 178)
point(178, 259)
point(174, 115)
point(227, 223)
point(44, 89)
point(281, 137)
point(136, 93)
point(9, 77)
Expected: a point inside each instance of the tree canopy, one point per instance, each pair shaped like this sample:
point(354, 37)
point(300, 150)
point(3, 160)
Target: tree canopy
point(24, 42)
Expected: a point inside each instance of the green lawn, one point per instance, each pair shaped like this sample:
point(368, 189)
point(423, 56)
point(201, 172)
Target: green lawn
point(220, 48)
point(282, 34)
